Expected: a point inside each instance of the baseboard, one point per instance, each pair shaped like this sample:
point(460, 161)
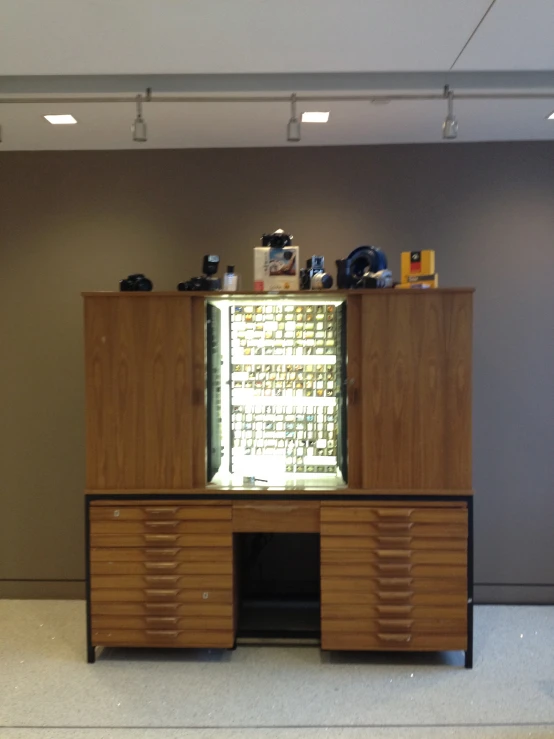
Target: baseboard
point(43, 589)
point(514, 594)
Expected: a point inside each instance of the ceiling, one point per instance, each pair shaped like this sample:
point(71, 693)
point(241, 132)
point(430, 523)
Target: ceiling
point(263, 46)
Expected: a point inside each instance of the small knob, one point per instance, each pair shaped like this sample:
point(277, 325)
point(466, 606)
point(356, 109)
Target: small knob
point(205, 596)
point(116, 514)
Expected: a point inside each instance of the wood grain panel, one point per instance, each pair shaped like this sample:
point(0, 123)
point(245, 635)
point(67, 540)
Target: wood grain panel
point(416, 392)
point(449, 627)
point(172, 526)
point(294, 518)
point(157, 595)
point(153, 554)
point(222, 512)
point(394, 518)
point(201, 608)
point(195, 623)
point(349, 611)
point(188, 582)
point(163, 638)
point(356, 441)
point(171, 566)
point(139, 393)
point(393, 642)
point(161, 540)
point(439, 596)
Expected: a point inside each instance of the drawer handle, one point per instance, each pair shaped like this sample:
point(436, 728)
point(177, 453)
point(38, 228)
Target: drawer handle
point(160, 565)
point(162, 552)
point(161, 511)
point(158, 593)
point(396, 623)
point(394, 553)
point(395, 610)
point(397, 569)
point(161, 606)
point(395, 541)
point(161, 579)
point(396, 638)
point(167, 634)
point(161, 524)
point(162, 538)
point(272, 508)
point(394, 525)
point(394, 512)
point(161, 620)
point(395, 595)
point(395, 582)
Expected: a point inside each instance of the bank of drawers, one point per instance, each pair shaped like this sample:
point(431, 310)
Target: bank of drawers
point(393, 577)
point(161, 575)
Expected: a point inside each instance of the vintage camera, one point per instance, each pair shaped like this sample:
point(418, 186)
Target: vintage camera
point(135, 283)
point(314, 277)
point(365, 267)
point(278, 239)
point(206, 281)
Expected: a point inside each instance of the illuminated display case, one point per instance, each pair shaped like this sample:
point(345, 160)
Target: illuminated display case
point(276, 391)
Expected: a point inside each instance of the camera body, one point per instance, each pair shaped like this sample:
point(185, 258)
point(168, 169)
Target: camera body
point(135, 283)
point(278, 239)
point(206, 281)
point(365, 267)
point(314, 277)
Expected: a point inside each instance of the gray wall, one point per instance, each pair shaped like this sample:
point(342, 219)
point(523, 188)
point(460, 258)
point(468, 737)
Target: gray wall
point(81, 220)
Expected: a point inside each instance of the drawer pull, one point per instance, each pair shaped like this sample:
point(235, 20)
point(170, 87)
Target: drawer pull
point(396, 638)
point(394, 553)
point(160, 565)
point(394, 512)
point(161, 620)
point(162, 552)
point(395, 541)
point(165, 634)
point(160, 524)
point(272, 508)
point(395, 623)
point(394, 525)
point(395, 582)
point(395, 610)
point(161, 579)
point(397, 569)
point(162, 538)
point(163, 607)
point(395, 595)
point(166, 510)
point(159, 593)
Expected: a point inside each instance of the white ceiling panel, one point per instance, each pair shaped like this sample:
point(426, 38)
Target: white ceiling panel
point(515, 35)
point(107, 126)
point(61, 37)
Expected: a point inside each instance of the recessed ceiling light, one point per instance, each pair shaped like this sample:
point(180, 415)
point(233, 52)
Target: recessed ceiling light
point(60, 120)
point(551, 116)
point(315, 117)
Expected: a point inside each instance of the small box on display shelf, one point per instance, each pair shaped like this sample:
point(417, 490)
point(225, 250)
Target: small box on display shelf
point(276, 263)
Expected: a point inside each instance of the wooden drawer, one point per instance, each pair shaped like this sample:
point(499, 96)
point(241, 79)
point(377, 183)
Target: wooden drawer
point(405, 626)
point(420, 593)
point(179, 582)
point(300, 517)
point(437, 548)
point(161, 595)
point(199, 608)
point(164, 622)
point(166, 540)
point(168, 554)
point(174, 567)
point(223, 639)
point(388, 518)
point(165, 526)
point(420, 535)
point(392, 642)
point(121, 513)
point(377, 611)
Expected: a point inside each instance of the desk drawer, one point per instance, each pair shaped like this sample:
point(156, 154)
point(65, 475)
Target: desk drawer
point(153, 512)
point(297, 517)
point(165, 526)
point(161, 567)
point(384, 641)
point(388, 518)
point(198, 608)
point(162, 539)
point(162, 581)
point(161, 595)
point(222, 639)
point(167, 554)
point(164, 622)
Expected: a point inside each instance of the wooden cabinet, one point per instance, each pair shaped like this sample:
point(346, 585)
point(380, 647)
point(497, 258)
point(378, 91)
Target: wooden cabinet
point(394, 576)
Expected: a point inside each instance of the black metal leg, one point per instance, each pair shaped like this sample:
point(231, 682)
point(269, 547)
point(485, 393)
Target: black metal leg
point(91, 655)
point(469, 659)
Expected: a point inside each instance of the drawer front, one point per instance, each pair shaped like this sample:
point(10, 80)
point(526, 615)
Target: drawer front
point(372, 613)
point(405, 626)
point(174, 567)
point(390, 642)
point(204, 608)
point(164, 622)
point(122, 513)
point(160, 553)
point(418, 536)
point(387, 518)
point(166, 526)
point(301, 517)
point(165, 581)
point(163, 638)
point(405, 591)
point(161, 595)
point(162, 539)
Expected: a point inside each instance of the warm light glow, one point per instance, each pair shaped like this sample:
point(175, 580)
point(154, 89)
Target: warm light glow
point(60, 120)
point(315, 117)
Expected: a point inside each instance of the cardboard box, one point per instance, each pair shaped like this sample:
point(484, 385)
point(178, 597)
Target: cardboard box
point(276, 268)
point(417, 263)
point(420, 281)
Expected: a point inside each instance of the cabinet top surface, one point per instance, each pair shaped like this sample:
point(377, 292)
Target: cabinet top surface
point(215, 294)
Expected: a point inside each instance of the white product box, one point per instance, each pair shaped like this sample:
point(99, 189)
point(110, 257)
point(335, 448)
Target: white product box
point(276, 268)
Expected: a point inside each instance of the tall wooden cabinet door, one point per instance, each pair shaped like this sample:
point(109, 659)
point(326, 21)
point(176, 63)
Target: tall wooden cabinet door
point(409, 364)
point(145, 380)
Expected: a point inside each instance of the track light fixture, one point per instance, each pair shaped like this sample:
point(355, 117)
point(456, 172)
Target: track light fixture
point(139, 128)
point(450, 125)
point(293, 126)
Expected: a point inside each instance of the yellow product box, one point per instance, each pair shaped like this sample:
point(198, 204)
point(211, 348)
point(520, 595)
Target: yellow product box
point(420, 281)
point(417, 263)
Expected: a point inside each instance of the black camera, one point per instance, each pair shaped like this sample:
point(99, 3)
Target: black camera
point(207, 281)
point(278, 239)
point(135, 283)
point(314, 276)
